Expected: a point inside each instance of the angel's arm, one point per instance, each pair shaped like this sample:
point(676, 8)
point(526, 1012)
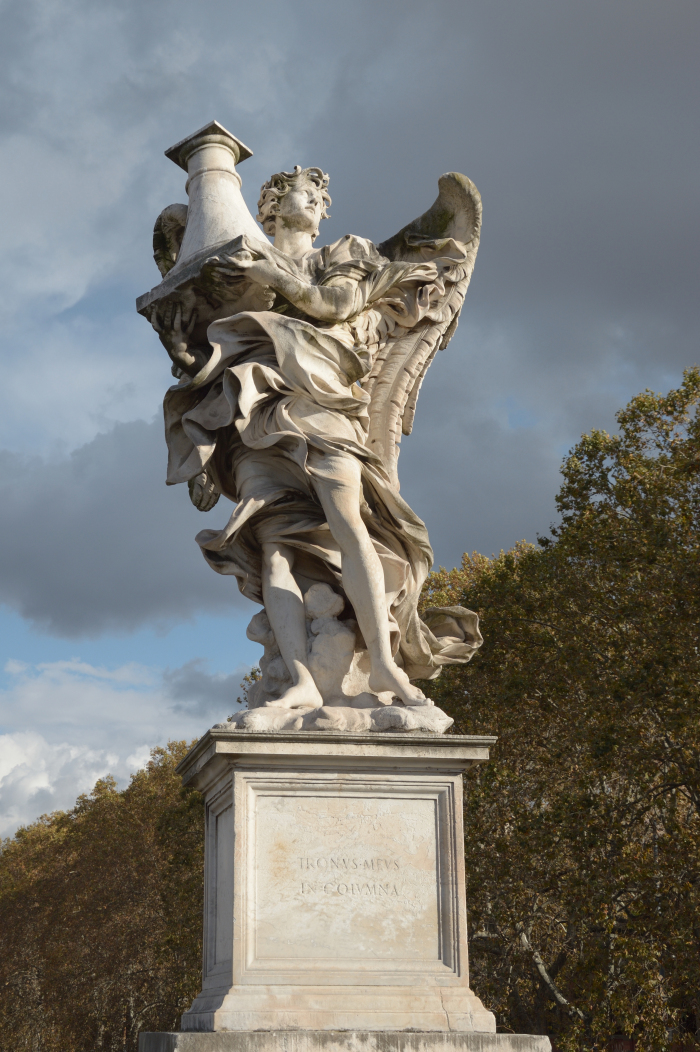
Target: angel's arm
point(334, 302)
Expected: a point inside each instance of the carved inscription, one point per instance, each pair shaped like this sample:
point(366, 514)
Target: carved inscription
point(350, 863)
point(340, 877)
point(331, 888)
point(354, 866)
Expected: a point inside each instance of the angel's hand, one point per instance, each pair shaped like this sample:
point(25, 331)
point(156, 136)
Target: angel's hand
point(170, 326)
point(203, 491)
point(261, 271)
point(252, 259)
point(257, 249)
point(174, 334)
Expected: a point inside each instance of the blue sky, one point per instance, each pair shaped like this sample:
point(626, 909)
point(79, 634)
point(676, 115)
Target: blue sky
point(578, 124)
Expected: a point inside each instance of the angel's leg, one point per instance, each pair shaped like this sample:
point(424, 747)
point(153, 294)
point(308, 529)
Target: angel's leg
point(284, 607)
point(363, 577)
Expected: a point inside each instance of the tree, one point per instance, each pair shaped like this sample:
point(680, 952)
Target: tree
point(583, 833)
point(101, 916)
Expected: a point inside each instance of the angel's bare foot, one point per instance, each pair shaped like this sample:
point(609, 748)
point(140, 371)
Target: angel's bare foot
point(303, 695)
point(391, 677)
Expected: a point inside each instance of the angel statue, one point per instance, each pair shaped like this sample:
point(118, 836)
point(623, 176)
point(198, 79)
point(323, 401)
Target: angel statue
point(298, 370)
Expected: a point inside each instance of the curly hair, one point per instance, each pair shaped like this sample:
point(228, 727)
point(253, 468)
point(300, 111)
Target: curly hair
point(280, 184)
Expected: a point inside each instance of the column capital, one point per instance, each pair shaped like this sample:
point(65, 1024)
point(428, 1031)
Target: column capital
point(212, 134)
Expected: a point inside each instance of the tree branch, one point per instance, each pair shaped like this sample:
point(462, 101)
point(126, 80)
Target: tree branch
point(544, 975)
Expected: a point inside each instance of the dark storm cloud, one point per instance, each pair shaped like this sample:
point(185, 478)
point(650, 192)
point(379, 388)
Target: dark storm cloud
point(96, 541)
point(578, 123)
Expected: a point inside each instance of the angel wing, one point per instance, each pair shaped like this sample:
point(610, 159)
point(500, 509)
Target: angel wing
point(402, 362)
point(168, 233)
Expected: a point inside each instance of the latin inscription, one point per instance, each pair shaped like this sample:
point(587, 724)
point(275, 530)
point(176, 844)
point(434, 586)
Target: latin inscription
point(348, 865)
point(331, 888)
point(339, 877)
point(378, 864)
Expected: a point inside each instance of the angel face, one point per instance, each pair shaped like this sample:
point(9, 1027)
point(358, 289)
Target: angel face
point(301, 207)
point(300, 198)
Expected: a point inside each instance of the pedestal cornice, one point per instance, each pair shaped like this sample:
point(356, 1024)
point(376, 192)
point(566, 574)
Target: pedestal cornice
point(458, 752)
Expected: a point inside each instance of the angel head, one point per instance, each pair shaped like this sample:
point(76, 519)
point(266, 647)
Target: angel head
point(301, 197)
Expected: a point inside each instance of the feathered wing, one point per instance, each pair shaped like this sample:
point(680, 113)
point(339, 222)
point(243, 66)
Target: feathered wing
point(403, 358)
point(168, 233)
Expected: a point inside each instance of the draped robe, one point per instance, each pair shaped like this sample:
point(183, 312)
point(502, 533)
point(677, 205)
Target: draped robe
point(276, 405)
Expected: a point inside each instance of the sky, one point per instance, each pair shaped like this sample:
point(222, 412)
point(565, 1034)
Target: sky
point(578, 122)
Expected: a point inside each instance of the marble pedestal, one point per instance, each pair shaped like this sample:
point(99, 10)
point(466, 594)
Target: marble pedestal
point(342, 1041)
point(335, 913)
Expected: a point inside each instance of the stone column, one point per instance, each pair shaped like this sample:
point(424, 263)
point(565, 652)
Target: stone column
point(216, 212)
point(216, 216)
point(335, 896)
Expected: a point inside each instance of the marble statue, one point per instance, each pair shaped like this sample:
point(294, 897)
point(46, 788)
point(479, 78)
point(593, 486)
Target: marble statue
point(298, 370)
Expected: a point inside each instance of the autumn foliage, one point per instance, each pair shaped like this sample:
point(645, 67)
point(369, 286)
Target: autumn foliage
point(101, 916)
point(583, 832)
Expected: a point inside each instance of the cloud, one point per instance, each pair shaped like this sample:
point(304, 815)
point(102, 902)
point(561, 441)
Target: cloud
point(68, 723)
point(197, 692)
point(37, 777)
point(96, 542)
point(573, 121)
point(78, 374)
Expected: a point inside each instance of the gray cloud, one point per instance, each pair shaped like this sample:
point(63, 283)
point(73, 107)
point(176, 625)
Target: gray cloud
point(96, 542)
point(196, 692)
point(577, 122)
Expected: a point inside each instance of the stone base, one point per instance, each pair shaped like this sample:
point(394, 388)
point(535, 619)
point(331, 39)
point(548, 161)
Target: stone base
point(351, 1008)
point(334, 883)
point(341, 1041)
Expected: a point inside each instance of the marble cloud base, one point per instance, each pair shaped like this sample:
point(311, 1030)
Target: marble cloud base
point(335, 911)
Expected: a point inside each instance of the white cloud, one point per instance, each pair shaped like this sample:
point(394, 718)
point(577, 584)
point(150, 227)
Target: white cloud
point(76, 375)
point(37, 777)
point(139, 758)
point(68, 723)
point(61, 671)
point(15, 668)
